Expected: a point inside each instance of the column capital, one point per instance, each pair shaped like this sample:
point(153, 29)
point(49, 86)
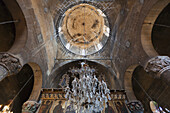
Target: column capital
point(10, 63)
point(30, 107)
point(135, 106)
point(158, 65)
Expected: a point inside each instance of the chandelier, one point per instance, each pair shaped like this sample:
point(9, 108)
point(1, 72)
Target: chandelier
point(87, 93)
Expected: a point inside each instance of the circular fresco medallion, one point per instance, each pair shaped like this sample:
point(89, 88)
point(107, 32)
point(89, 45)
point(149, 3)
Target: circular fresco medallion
point(83, 29)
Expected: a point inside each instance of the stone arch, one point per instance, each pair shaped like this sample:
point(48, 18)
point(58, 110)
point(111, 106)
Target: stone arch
point(147, 88)
point(128, 86)
point(148, 24)
point(7, 28)
point(37, 82)
point(16, 88)
point(20, 26)
point(61, 69)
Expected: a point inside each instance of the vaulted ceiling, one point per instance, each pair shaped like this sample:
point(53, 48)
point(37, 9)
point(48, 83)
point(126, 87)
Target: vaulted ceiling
point(138, 31)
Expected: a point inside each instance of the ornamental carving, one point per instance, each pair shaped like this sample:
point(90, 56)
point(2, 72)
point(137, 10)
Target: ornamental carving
point(56, 94)
point(3, 72)
point(135, 106)
point(30, 106)
point(158, 65)
point(10, 63)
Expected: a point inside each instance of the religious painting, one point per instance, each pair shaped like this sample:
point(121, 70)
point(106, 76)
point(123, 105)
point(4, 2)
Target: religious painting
point(121, 107)
point(110, 107)
point(58, 106)
point(53, 101)
point(45, 106)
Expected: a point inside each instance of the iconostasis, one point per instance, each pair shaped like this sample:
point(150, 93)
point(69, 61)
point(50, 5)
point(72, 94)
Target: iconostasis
point(53, 101)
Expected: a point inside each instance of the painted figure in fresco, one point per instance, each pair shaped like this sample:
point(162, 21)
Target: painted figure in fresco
point(109, 109)
point(45, 107)
point(58, 108)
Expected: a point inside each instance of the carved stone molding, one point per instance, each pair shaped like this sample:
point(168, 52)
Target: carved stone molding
point(10, 63)
point(30, 107)
point(135, 106)
point(58, 93)
point(158, 65)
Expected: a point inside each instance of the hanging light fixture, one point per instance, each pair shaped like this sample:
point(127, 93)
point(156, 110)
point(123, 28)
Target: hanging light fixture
point(87, 93)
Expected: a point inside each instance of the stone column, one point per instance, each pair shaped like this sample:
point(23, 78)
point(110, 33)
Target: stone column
point(9, 65)
point(159, 67)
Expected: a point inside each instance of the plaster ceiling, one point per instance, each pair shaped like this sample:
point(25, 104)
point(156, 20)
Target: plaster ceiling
point(83, 27)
